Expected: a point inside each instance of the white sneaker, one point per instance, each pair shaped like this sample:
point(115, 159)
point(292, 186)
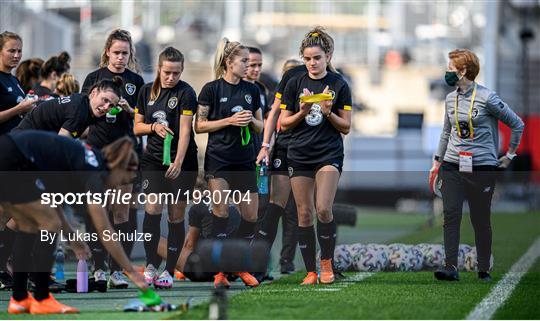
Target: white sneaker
point(117, 281)
point(99, 276)
point(150, 274)
point(164, 281)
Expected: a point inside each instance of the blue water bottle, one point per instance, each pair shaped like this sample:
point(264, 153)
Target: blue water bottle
point(263, 178)
point(59, 267)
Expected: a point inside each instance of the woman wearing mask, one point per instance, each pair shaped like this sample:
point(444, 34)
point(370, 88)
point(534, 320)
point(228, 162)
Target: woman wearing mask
point(467, 158)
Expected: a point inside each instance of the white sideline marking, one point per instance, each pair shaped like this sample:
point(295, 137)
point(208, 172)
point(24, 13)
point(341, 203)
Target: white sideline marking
point(504, 288)
point(338, 286)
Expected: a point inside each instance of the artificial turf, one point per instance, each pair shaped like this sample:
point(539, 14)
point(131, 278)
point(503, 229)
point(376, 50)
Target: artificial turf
point(405, 295)
point(385, 295)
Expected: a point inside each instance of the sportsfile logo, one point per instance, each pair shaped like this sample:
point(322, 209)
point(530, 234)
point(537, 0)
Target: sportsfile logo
point(114, 196)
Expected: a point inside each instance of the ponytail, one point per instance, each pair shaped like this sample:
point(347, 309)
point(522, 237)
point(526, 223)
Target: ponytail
point(225, 50)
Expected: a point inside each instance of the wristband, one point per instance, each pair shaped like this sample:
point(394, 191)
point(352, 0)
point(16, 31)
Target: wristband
point(152, 128)
point(437, 158)
point(510, 156)
point(266, 145)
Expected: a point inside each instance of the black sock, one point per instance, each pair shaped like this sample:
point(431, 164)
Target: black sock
point(245, 230)
point(132, 229)
point(219, 226)
point(269, 225)
point(175, 241)
point(124, 228)
point(326, 234)
point(98, 251)
point(152, 225)
point(22, 263)
point(7, 237)
point(43, 261)
point(306, 242)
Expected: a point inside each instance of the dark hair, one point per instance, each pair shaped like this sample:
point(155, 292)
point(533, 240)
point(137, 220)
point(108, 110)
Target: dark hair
point(254, 50)
point(59, 64)
point(168, 54)
point(28, 73)
point(115, 84)
point(8, 35)
point(122, 35)
point(318, 37)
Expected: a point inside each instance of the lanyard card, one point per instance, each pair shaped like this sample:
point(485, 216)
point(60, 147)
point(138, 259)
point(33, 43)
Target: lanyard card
point(465, 162)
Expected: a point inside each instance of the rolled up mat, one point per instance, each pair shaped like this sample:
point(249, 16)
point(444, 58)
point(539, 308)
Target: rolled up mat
point(315, 98)
point(229, 256)
point(344, 214)
point(167, 149)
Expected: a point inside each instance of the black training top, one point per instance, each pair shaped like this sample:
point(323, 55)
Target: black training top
point(52, 152)
point(167, 109)
point(11, 94)
point(224, 100)
point(111, 127)
point(258, 139)
point(43, 92)
point(71, 113)
point(284, 136)
point(200, 216)
point(315, 139)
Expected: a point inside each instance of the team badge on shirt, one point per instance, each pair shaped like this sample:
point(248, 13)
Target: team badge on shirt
point(9, 89)
point(315, 116)
point(474, 112)
point(130, 88)
point(173, 101)
point(90, 158)
point(237, 108)
point(248, 98)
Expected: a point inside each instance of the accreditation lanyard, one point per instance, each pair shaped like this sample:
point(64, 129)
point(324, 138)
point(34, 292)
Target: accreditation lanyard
point(471, 128)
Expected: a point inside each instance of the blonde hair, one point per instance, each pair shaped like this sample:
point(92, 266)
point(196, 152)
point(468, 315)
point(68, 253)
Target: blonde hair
point(290, 64)
point(8, 35)
point(67, 85)
point(225, 50)
point(168, 54)
point(318, 37)
point(121, 35)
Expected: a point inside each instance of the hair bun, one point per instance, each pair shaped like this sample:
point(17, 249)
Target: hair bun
point(64, 57)
point(117, 81)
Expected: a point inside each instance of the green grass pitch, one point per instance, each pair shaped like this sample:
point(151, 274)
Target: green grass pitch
point(384, 295)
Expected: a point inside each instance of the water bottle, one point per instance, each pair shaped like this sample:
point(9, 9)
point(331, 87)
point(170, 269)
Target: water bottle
point(59, 273)
point(82, 277)
point(263, 178)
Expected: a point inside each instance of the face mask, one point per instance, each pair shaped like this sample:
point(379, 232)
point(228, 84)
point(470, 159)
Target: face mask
point(451, 78)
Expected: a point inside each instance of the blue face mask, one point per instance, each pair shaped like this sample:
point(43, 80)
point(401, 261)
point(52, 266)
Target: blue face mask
point(451, 78)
